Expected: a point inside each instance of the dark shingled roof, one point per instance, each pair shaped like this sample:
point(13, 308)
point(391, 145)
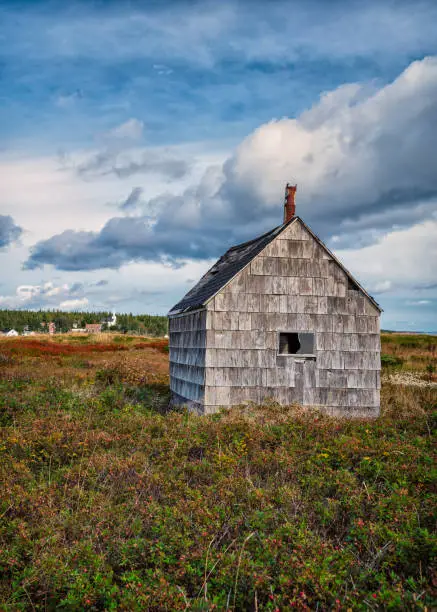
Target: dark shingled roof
point(234, 260)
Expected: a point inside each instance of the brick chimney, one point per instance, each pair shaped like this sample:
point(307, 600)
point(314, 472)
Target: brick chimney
point(289, 203)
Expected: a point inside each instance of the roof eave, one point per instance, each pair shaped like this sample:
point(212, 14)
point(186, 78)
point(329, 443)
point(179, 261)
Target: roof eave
point(203, 304)
point(182, 311)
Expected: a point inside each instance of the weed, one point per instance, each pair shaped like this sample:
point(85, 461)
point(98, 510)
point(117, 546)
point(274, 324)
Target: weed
point(112, 502)
point(391, 361)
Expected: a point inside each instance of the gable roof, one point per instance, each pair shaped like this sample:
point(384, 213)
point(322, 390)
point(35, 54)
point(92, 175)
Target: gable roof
point(224, 269)
point(234, 260)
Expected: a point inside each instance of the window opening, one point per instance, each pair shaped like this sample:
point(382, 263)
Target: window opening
point(351, 285)
point(295, 343)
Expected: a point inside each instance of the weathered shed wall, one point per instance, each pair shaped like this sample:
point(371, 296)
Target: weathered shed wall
point(187, 338)
point(293, 285)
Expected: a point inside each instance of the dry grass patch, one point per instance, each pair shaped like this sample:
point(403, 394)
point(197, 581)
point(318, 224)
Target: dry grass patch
point(111, 502)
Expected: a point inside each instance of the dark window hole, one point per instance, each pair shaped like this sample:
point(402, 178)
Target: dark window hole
point(294, 343)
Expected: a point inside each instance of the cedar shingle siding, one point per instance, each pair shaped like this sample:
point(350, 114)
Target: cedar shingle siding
point(225, 336)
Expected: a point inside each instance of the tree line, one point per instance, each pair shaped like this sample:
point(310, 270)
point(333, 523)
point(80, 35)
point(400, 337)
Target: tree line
point(37, 321)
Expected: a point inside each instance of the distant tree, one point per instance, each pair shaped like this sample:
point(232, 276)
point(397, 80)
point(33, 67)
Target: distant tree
point(37, 320)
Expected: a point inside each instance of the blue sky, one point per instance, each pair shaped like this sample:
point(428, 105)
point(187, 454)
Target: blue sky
point(139, 140)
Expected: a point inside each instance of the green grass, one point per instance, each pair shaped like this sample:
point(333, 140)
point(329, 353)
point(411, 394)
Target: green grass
point(109, 503)
point(415, 341)
point(390, 361)
point(410, 353)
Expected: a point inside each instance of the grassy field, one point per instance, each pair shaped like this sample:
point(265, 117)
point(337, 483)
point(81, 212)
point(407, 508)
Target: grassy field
point(111, 502)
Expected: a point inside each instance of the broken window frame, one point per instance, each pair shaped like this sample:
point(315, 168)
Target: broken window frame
point(301, 340)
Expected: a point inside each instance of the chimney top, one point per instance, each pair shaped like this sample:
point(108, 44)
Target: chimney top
point(289, 203)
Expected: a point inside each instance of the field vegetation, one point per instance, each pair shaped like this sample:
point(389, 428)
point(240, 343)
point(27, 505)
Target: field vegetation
point(110, 501)
point(411, 353)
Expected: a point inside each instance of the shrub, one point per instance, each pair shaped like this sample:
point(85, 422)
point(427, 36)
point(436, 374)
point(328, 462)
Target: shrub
point(108, 504)
point(391, 361)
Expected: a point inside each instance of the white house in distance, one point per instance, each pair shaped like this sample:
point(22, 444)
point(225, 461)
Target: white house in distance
point(112, 321)
point(277, 317)
point(10, 332)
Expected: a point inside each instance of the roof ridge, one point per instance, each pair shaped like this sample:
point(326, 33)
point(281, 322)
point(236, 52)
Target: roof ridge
point(244, 244)
point(235, 259)
point(223, 271)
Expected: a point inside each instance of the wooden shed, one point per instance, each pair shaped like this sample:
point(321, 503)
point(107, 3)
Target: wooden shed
point(277, 317)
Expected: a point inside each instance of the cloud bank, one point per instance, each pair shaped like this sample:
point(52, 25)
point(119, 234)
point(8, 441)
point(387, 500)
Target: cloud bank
point(66, 296)
point(128, 163)
point(401, 260)
point(120, 158)
point(364, 160)
point(361, 159)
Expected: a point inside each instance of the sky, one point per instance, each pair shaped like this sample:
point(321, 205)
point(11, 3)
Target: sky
point(140, 140)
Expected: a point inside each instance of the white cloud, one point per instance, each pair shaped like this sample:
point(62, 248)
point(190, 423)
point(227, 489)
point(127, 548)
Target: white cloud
point(139, 287)
point(358, 152)
point(47, 294)
point(407, 258)
point(68, 101)
point(130, 130)
point(45, 195)
point(365, 163)
point(379, 287)
point(364, 160)
point(74, 304)
point(43, 198)
point(162, 69)
point(29, 295)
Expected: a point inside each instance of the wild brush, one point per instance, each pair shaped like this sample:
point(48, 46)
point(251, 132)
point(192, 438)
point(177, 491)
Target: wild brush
point(110, 504)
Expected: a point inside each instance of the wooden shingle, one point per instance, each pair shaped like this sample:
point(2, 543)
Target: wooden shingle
point(224, 345)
